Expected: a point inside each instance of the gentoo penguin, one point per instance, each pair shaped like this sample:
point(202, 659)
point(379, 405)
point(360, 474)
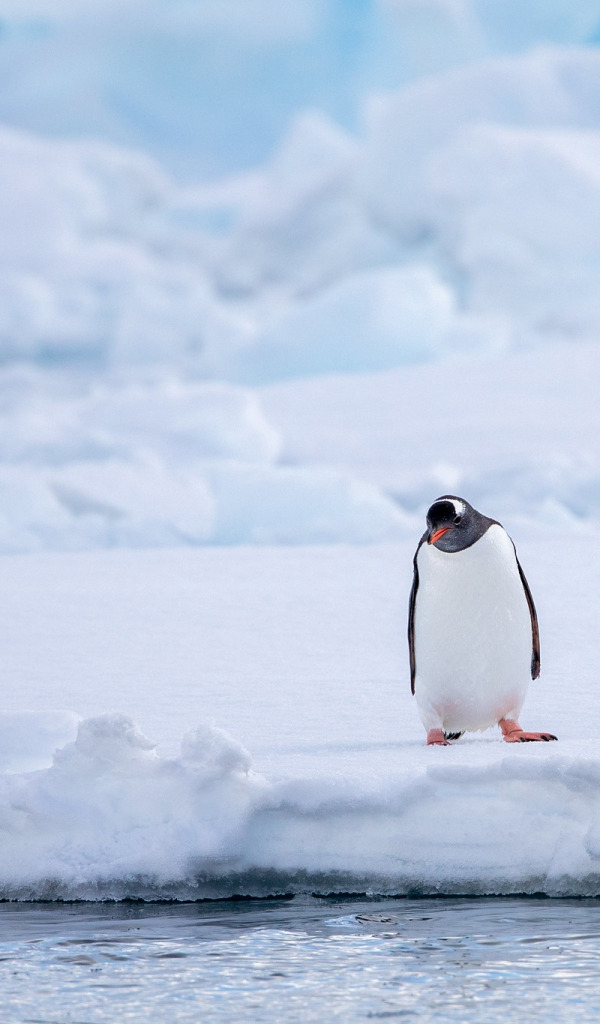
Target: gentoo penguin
point(472, 627)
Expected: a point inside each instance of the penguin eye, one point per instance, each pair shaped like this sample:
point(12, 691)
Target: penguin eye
point(457, 520)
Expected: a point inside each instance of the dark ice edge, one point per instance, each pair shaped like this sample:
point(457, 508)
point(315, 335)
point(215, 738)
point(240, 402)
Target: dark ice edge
point(259, 885)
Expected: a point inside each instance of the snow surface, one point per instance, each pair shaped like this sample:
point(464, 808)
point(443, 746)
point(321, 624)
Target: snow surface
point(300, 655)
point(516, 434)
point(273, 276)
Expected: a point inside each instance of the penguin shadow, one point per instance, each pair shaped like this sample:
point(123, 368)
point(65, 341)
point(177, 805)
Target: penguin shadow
point(468, 739)
point(475, 739)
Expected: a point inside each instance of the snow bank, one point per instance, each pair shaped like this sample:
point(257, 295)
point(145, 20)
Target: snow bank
point(464, 220)
point(144, 502)
point(502, 181)
point(51, 421)
point(156, 460)
point(544, 89)
point(111, 435)
point(111, 819)
point(516, 433)
point(302, 224)
point(309, 505)
point(110, 802)
point(484, 177)
point(169, 78)
point(369, 321)
point(356, 458)
point(300, 654)
point(82, 275)
point(108, 264)
point(525, 237)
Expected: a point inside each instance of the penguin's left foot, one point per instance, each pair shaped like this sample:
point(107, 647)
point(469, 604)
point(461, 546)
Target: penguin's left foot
point(513, 733)
point(518, 736)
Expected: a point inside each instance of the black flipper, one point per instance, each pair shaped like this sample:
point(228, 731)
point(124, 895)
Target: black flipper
point(535, 632)
point(411, 617)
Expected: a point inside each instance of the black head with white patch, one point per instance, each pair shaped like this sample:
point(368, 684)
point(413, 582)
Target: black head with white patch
point(453, 524)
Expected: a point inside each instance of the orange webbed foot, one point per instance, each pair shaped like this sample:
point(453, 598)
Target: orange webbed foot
point(513, 733)
point(436, 738)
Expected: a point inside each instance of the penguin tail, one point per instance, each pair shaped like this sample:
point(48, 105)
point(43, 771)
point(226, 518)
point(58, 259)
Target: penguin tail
point(452, 735)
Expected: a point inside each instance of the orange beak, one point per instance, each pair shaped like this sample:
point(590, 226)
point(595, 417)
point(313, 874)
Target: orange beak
point(438, 533)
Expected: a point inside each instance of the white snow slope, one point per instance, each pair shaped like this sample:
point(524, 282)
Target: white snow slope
point(300, 655)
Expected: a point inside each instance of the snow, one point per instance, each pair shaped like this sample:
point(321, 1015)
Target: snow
point(465, 216)
point(368, 321)
point(463, 219)
point(272, 278)
point(210, 86)
point(290, 754)
point(83, 277)
point(515, 434)
point(540, 268)
point(158, 460)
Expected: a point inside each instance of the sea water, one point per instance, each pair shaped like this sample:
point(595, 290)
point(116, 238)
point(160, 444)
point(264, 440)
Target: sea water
point(303, 959)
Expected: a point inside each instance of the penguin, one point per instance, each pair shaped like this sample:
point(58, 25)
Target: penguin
point(472, 627)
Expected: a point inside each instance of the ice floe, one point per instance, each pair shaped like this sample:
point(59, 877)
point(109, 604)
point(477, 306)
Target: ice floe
point(111, 819)
point(303, 764)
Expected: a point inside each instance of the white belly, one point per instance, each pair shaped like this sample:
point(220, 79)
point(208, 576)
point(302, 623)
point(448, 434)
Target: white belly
point(472, 633)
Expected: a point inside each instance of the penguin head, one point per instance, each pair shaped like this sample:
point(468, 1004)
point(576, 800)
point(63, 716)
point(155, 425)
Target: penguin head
point(453, 524)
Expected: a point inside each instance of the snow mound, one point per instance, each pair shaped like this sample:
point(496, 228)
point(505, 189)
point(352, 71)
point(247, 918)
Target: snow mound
point(49, 422)
point(514, 434)
point(84, 273)
point(544, 89)
point(484, 177)
point(213, 751)
point(109, 810)
point(111, 819)
point(503, 184)
point(210, 86)
point(160, 461)
point(369, 321)
point(144, 502)
point(289, 504)
point(465, 219)
point(301, 225)
point(526, 236)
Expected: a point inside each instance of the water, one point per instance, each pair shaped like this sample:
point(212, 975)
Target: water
point(301, 960)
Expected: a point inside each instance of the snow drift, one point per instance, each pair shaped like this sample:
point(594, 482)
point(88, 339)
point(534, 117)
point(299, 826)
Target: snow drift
point(465, 219)
point(111, 819)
